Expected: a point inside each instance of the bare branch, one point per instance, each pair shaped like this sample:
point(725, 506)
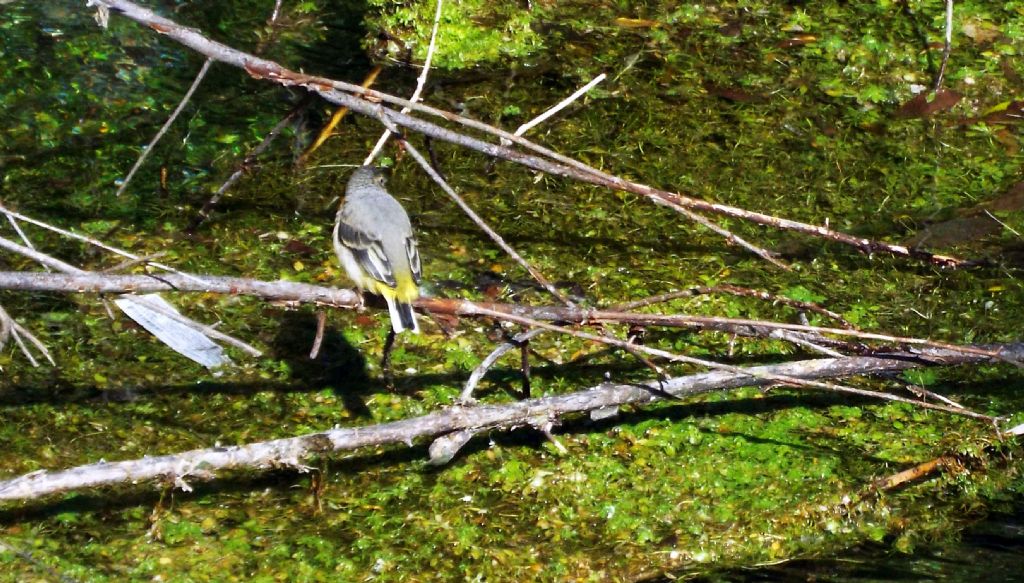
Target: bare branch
point(498, 239)
point(40, 258)
point(286, 291)
point(202, 464)
point(466, 397)
point(335, 92)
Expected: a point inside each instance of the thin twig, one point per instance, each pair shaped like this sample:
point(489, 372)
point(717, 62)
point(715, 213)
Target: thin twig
point(786, 380)
point(335, 92)
point(245, 166)
point(524, 367)
point(795, 339)
point(468, 210)
point(128, 263)
point(914, 473)
point(946, 47)
point(1004, 225)
point(556, 108)
point(922, 393)
point(18, 328)
point(84, 239)
point(21, 234)
point(167, 124)
point(9, 328)
point(728, 235)
point(466, 397)
point(421, 81)
point(23, 347)
point(736, 291)
point(318, 339)
point(39, 257)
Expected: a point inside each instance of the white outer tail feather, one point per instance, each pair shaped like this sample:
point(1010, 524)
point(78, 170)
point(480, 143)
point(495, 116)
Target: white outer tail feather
point(396, 317)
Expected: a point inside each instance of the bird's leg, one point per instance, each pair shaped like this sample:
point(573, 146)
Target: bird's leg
point(524, 354)
point(385, 361)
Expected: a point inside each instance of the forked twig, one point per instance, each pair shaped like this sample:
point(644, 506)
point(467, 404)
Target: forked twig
point(349, 94)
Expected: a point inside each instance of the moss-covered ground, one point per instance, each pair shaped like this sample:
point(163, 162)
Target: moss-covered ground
point(785, 108)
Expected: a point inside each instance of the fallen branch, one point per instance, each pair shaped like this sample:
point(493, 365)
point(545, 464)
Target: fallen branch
point(780, 379)
point(286, 291)
point(295, 452)
point(103, 283)
point(368, 102)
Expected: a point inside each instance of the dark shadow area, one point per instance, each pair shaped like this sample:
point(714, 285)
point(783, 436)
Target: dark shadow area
point(338, 364)
point(991, 550)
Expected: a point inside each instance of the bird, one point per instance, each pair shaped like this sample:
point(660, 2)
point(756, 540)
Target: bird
point(374, 241)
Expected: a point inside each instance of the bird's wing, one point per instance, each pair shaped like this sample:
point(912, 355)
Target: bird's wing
point(412, 252)
point(368, 251)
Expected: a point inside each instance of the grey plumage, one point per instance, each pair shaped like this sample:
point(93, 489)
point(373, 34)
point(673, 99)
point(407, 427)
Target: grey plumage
point(373, 238)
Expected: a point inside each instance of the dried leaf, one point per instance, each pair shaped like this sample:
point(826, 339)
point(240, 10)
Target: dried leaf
point(920, 106)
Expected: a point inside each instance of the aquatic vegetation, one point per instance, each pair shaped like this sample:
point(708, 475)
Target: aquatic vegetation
point(787, 110)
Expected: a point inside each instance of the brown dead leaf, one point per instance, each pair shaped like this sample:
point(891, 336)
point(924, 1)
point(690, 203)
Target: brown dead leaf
point(920, 106)
point(1011, 200)
point(1012, 113)
point(733, 94)
point(298, 248)
point(980, 32)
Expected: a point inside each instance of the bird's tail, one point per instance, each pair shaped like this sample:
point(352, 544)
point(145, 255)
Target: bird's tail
point(402, 316)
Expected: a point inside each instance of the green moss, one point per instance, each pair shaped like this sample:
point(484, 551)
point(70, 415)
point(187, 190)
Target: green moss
point(705, 99)
point(470, 33)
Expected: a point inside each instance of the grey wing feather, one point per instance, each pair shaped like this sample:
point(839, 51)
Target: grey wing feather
point(413, 254)
point(368, 251)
